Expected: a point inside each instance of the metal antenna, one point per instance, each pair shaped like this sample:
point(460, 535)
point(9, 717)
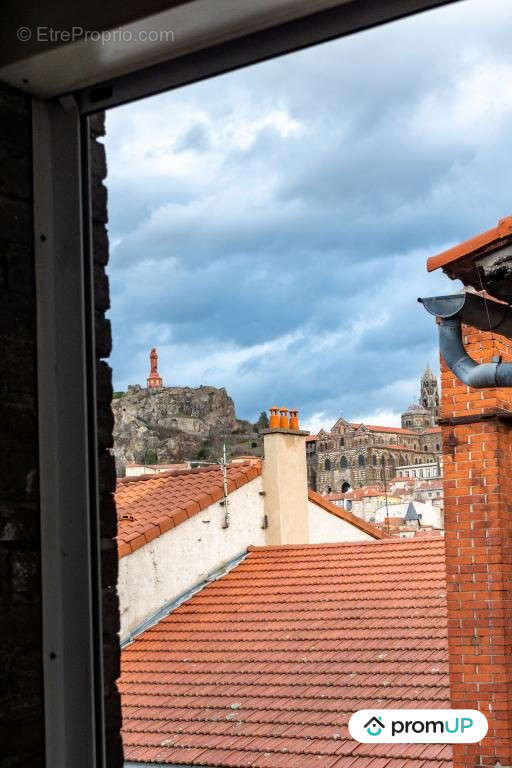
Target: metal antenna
point(386, 497)
point(224, 464)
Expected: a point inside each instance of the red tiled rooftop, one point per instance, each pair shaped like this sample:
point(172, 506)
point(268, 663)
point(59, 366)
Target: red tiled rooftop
point(358, 493)
point(178, 465)
point(429, 532)
point(264, 666)
point(492, 239)
point(149, 505)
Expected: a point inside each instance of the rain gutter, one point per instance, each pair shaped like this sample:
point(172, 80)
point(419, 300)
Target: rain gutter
point(479, 312)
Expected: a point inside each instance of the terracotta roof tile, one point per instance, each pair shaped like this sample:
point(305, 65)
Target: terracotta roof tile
point(264, 666)
point(149, 505)
point(494, 238)
point(358, 522)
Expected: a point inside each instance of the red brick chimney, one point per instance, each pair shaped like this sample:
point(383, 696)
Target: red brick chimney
point(477, 446)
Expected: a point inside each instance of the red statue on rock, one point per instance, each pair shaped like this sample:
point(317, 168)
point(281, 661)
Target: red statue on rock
point(154, 379)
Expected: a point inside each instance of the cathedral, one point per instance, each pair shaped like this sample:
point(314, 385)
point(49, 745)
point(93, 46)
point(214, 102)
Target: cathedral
point(353, 455)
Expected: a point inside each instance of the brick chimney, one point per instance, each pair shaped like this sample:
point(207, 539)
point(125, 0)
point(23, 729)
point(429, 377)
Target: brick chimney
point(285, 479)
point(477, 446)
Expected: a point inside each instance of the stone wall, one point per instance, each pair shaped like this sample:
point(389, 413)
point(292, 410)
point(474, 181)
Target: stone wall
point(107, 475)
point(21, 675)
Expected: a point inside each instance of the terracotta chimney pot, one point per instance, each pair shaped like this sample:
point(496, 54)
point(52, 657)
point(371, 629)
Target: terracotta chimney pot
point(294, 418)
point(274, 417)
point(284, 422)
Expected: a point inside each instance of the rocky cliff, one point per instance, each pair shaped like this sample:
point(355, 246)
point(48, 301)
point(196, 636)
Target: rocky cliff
point(174, 424)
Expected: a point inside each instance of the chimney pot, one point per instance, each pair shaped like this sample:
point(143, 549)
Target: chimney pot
point(294, 418)
point(284, 422)
point(274, 417)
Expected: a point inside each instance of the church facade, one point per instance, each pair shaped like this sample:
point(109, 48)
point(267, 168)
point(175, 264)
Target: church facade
point(354, 455)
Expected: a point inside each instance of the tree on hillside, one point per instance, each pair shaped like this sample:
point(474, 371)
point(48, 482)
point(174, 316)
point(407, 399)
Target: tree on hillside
point(262, 422)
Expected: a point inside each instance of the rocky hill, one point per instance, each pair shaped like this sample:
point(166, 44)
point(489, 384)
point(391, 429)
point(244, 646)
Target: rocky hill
point(173, 424)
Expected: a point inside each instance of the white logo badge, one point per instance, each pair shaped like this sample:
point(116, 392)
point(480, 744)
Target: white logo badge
point(418, 726)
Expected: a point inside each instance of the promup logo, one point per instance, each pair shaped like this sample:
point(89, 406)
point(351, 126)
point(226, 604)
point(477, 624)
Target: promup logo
point(374, 726)
point(420, 726)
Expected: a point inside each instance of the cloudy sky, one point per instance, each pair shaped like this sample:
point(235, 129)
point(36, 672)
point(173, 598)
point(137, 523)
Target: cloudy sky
point(269, 228)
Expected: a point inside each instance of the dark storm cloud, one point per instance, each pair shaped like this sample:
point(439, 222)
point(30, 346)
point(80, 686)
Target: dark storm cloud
point(270, 227)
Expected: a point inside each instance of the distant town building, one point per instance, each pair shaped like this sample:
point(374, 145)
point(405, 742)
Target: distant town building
point(364, 501)
point(154, 379)
point(356, 455)
point(416, 514)
point(429, 490)
point(428, 471)
point(389, 506)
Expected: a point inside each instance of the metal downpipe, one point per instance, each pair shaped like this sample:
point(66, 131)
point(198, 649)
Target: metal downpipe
point(451, 347)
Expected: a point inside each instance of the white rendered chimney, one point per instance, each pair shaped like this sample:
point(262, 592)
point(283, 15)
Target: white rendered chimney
point(285, 479)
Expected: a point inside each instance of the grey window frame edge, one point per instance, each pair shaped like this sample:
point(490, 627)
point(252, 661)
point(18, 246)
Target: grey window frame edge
point(243, 51)
point(70, 542)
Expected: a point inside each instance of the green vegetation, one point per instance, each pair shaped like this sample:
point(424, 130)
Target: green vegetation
point(262, 422)
point(150, 457)
point(117, 395)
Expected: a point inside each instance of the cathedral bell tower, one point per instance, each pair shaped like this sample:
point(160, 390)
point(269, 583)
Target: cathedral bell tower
point(429, 397)
point(154, 379)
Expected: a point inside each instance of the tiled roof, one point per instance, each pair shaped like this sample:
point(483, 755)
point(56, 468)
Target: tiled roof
point(492, 239)
point(155, 467)
point(358, 493)
point(149, 505)
point(326, 505)
point(264, 666)
point(429, 532)
point(397, 430)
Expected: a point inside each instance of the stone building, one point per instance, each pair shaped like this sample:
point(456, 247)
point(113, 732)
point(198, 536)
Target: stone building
point(425, 412)
point(355, 455)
